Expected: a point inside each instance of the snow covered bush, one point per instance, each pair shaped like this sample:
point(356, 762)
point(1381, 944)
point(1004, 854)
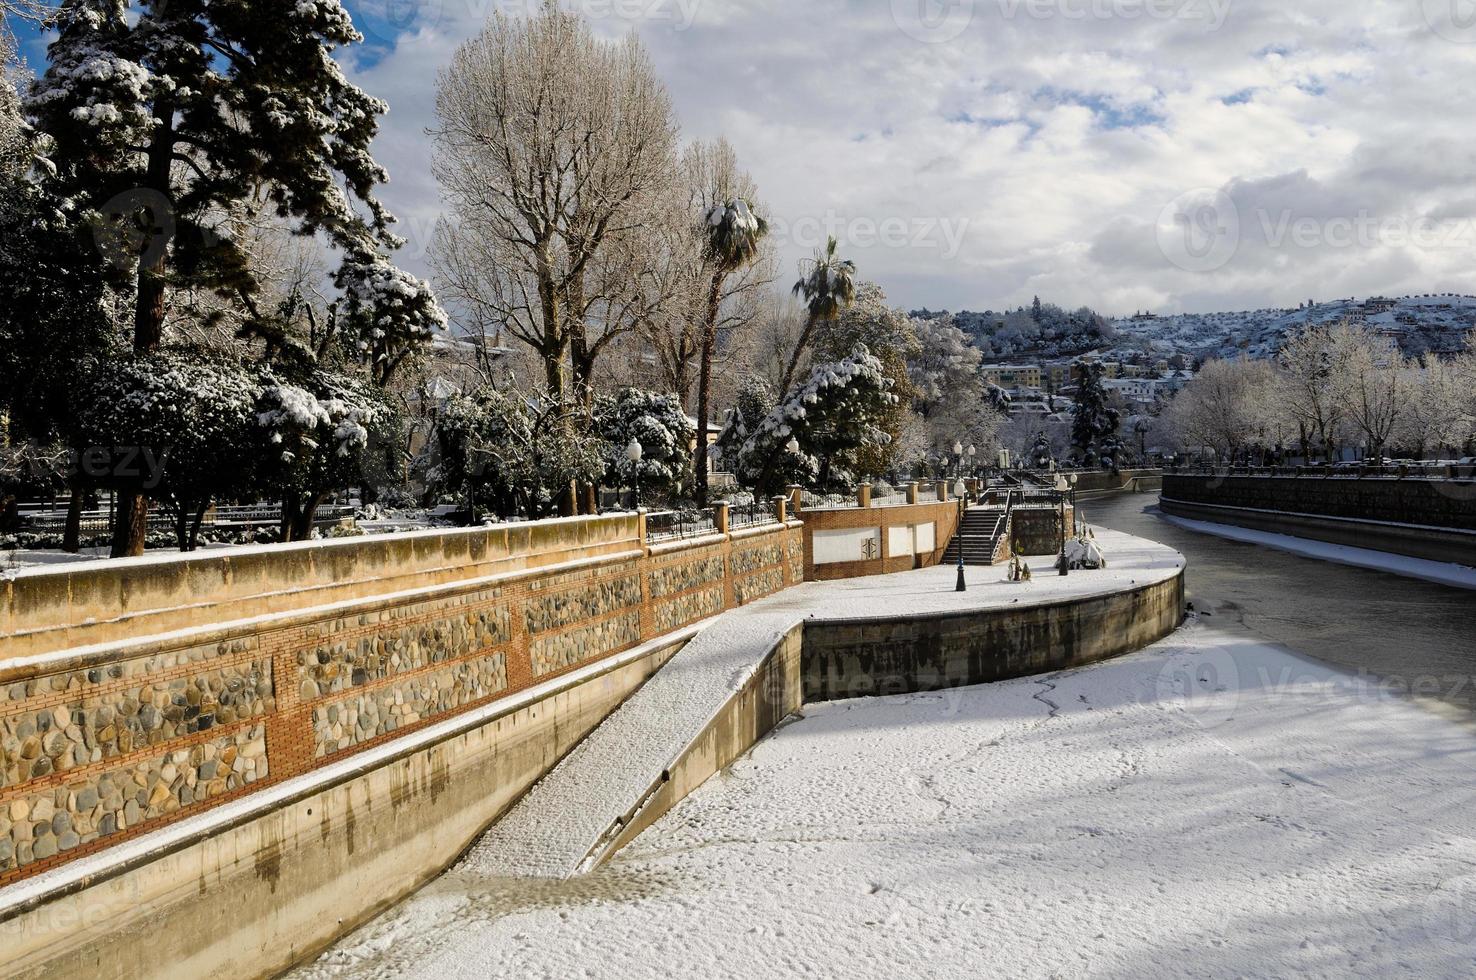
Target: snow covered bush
point(833, 416)
point(514, 453)
point(662, 428)
point(175, 426)
point(330, 433)
point(389, 314)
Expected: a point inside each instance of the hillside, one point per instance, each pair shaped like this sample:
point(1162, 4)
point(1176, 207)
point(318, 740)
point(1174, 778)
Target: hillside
point(1420, 324)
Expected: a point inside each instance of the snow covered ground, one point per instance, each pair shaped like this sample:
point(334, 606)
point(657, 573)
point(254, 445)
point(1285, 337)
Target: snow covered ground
point(1209, 807)
point(1442, 573)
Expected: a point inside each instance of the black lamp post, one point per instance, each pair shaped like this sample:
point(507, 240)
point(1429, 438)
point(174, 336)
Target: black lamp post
point(962, 510)
point(1061, 562)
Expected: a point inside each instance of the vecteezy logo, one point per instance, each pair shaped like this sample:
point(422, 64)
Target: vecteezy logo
point(1450, 912)
point(933, 21)
point(1199, 231)
point(392, 20)
point(1454, 20)
point(134, 228)
point(1206, 686)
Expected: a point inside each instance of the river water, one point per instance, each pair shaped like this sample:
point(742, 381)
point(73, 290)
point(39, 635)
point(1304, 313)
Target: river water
point(1416, 637)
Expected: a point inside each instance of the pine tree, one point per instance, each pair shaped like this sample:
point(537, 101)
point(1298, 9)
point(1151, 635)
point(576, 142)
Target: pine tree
point(1094, 428)
point(162, 129)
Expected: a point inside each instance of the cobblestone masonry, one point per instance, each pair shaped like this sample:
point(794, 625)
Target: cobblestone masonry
point(93, 755)
point(341, 725)
point(104, 726)
point(41, 825)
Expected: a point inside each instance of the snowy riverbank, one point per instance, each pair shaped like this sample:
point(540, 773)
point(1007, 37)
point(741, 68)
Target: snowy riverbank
point(1208, 807)
point(1441, 573)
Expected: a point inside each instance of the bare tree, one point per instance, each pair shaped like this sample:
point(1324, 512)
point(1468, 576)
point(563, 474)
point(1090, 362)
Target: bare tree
point(552, 151)
point(1312, 369)
point(1230, 407)
point(1375, 387)
point(1440, 406)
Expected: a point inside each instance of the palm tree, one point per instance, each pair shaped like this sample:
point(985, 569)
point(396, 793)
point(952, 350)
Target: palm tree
point(828, 286)
point(732, 232)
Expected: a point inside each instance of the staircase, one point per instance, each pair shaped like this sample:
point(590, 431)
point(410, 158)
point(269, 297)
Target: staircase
point(979, 537)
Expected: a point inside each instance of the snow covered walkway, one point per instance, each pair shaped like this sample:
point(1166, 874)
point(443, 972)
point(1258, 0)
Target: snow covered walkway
point(553, 831)
point(1209, 807)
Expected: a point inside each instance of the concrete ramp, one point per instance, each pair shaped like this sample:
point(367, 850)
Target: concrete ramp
point(724, 691)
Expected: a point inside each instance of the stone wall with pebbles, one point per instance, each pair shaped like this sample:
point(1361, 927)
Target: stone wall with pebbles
point(561, 651)
point(341, 725)
point(588, 600)
point(747, 560)
point(690, 608)
point(753, 587)
point(684, 576)
point(161, 728)
point(104, 725)
point(373, 652)
point(40, 825)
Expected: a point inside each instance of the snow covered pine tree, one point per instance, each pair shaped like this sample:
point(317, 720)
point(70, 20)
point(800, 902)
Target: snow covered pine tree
point(166, 126)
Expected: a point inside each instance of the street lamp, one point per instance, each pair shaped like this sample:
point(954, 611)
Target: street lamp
point(793, 446)
point(973, 452)
point(1061, 487)
point(633, 452)
point(959, 491)
point(958, 456)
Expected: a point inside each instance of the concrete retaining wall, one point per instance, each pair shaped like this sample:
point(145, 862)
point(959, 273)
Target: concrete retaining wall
point(1101, 482)
point(260, 890)
point(899, 656)
point(774, 693)
point(1432, 544)
point(103, 743)
point(1426, 503)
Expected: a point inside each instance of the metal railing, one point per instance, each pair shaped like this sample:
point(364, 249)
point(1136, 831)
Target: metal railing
point(1344, 471)
point(752, 514)
point(100, 522)
point(672, 525)
point(819, 501)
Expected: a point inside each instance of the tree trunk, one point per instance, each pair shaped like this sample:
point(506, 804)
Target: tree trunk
point(148, 319)
point(298, 513)
point(72, 534)
point(131, 528)
point(199, 519)
point(704, 387)
point(799, 351)
point(182, 527)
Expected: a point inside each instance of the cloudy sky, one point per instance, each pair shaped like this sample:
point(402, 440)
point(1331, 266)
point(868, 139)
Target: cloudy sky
point(1127, 154)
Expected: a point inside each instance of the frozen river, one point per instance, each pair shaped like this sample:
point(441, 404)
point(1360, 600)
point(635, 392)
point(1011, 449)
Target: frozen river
point(1212, 806)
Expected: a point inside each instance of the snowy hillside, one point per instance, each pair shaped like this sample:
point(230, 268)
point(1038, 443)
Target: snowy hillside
point(1420, 324)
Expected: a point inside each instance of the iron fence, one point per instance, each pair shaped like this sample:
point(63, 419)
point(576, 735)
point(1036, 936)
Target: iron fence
point(752, 514)
point(1344, 471)
point(673, 525)
point(95, 523)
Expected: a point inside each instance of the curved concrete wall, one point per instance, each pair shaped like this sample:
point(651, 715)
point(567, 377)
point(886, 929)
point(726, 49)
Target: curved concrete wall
point(1434, 544)
point(867, 658)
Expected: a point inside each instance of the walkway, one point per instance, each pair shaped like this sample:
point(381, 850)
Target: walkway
point(552, 832)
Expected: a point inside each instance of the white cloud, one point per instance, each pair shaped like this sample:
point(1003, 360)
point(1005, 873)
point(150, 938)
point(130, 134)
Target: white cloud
point(1054, 137)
